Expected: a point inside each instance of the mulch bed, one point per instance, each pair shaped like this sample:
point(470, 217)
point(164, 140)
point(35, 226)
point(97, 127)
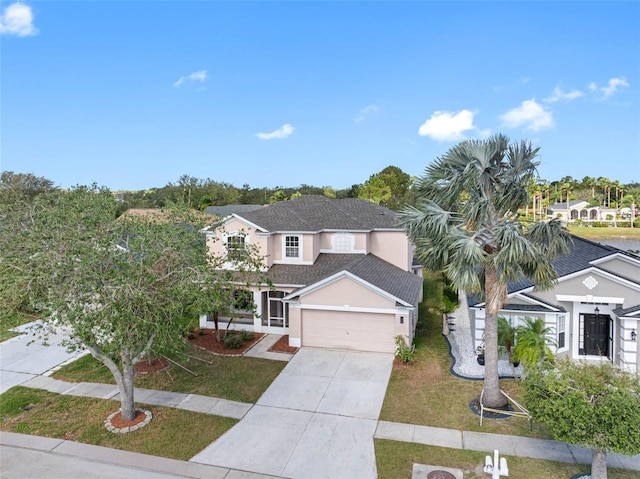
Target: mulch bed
point(282, 346)
point(147, 367)
point(116, 420)
point(206, 339)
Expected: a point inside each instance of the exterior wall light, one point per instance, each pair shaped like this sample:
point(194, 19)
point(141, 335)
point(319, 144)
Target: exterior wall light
point(634, 336)
point(402, 320)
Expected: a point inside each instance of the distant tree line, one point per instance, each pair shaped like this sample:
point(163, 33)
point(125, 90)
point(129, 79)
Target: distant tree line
point(390, 187)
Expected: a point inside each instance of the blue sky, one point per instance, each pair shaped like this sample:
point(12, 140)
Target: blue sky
point(134, 94)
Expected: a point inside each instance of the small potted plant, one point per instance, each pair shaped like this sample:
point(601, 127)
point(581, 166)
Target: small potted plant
point(480, 355)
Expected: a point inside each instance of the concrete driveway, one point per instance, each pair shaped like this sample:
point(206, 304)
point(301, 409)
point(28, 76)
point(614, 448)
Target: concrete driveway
point(316, 420)
point(21, 361)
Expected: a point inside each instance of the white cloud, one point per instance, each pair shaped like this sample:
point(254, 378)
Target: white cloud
point(530, 115)
point(362, 114)
point(200, 76)
point(559, 95)
point(612, 87)
point(447, 126)
point(283, 132)
point(17, 19)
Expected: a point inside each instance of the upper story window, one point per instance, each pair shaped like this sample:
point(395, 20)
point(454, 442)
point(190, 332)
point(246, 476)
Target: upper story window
point(292, 247)
point(343, 242)
point(236, 245)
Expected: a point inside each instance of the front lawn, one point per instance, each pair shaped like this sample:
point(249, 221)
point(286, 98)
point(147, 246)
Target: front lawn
point(172, 433)
point(7, 323)
point(427, 394)
point(236, 378)
point(395, 461)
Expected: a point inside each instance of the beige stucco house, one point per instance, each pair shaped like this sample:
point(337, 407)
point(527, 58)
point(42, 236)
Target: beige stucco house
point(342, 272)
point(593, 309)
point(581, 210)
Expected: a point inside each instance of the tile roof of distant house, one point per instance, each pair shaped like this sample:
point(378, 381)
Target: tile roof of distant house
point(226, 210)
point(317, 213)
point(401, 284)
point(563, 206)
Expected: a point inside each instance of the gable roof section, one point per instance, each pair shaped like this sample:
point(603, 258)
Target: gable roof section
point(632, 312)
point(400, 284)
point(316, 213)
point(584, 253)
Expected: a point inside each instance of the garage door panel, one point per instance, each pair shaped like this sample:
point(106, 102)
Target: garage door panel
point(344, 330)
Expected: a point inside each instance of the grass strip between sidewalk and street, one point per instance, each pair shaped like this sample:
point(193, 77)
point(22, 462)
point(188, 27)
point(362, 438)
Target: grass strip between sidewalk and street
point(395, 461)
point(169, 434)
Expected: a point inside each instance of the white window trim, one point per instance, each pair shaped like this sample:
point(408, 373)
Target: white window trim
point(232, 263)
point(291, 259)
point(565, 331)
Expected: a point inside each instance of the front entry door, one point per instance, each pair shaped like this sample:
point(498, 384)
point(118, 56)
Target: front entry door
point(596, 334)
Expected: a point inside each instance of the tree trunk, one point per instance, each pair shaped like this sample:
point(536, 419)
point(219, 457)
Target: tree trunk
point(598, 464)
point(127, 405)
point(124, 379)
point(492, 396)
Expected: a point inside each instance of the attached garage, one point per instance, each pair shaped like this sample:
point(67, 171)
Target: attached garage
point(348, 330)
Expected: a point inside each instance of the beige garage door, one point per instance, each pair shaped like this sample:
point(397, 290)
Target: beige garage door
point(342, 330)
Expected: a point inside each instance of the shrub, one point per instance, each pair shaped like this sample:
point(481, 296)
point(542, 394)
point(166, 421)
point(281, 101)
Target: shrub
point(406, 353)
point(236, 339)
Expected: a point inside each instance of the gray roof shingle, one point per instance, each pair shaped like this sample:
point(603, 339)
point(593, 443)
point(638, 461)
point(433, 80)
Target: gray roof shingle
point(316, 213)
point(401, 284)
point(226, 210)
point(583, 253)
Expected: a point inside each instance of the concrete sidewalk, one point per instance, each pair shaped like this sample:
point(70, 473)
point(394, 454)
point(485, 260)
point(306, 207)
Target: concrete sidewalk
point(507, 445)
point(189, 402)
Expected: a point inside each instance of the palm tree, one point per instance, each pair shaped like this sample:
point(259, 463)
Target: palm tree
point(507, 339)
point(533, 343)
point(466, 224)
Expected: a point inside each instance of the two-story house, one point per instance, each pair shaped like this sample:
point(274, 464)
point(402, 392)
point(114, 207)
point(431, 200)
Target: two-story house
point(342, 273)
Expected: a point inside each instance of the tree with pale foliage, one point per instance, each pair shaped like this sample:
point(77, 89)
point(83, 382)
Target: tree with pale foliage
point(123, 288)
point(466, 224)
point(595, 406)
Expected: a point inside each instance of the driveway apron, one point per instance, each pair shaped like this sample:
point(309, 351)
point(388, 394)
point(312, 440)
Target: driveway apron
point(24, 357)
point(316, 420)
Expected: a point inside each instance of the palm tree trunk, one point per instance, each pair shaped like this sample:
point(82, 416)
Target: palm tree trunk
point(494, 293)
point(598, 464)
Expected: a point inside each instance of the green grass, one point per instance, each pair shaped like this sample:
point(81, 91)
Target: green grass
point(169, 434)
point(9, 322)
point(605, 233)
point(236, 378)
point(395, 461)
point(427, 394)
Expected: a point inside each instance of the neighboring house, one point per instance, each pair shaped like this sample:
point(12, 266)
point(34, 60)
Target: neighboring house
point(593, 309)
point(342, 271)
point(580, 210)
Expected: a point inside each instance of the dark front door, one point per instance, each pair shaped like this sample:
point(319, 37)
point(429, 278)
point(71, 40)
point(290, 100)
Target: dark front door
point(596, 334)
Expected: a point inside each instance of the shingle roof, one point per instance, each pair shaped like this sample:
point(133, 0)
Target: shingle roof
point(628, 311)
point(316, 213)
point(226, 210)
point(530, 307)
point(581, 256)
point(583, 253)
point(395, 281)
